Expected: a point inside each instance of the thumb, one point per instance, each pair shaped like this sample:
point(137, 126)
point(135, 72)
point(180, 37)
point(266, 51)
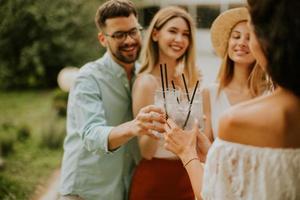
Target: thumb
point(196, 124)
point(195, 129)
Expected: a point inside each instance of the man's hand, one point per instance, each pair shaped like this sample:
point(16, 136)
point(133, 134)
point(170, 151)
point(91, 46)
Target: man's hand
point(150, 118)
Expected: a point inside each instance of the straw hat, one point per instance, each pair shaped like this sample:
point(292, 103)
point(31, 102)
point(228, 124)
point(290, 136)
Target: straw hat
point(222, 26)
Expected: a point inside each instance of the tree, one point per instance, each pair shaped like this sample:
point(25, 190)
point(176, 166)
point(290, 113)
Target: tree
point(39, 37)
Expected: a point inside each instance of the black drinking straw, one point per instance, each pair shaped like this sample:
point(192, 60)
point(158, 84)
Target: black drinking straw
point(190, 106)
point(162, 81)
point(173, 85)
point(163, 88)
point(166, 79)
point(185, 86)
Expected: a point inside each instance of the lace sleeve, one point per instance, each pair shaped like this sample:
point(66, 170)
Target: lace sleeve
point(236, 171)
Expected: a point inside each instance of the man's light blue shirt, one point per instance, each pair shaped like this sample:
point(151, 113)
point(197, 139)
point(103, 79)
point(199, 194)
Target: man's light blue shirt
point(99, 100)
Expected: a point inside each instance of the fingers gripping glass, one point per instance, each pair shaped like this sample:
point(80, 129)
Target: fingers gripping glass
point(120, 36)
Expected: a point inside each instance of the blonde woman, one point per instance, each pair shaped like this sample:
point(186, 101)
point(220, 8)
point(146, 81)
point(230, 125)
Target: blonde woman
point(240, 78)
point(170, 40)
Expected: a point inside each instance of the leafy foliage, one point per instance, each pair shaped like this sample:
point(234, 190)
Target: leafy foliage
point(38, 38)
point(54, 132)
point(9, 135)
point(60, 101)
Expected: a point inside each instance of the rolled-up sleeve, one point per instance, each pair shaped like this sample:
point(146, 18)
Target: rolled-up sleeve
point(89, 115)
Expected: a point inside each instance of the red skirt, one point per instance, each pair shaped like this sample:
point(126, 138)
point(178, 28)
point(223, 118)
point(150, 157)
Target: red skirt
point(161, 179)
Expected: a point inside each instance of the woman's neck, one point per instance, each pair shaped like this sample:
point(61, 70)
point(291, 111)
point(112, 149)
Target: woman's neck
point(171, 71)
point(171, 65)
point(240, 77)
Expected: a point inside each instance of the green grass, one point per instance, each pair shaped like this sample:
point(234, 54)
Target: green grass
point(26, 108)
point(30, 164)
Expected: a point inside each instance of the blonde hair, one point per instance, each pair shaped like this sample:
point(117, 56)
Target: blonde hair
point(150, 51)
point(257, 81)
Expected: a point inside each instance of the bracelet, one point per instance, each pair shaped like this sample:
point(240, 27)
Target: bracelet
point(196, 158)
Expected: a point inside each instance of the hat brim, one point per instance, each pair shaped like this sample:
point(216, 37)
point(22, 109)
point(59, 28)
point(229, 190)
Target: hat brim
point(222, 27)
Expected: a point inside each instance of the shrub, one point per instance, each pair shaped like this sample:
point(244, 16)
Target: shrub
point(8, 189)
point(54, 133)
point(60, 101)
point(23, 133)
point(8, 136)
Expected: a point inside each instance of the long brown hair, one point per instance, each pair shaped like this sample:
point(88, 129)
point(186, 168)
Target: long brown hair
point(276, 26)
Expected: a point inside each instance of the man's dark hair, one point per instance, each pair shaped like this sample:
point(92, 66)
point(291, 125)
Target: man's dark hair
point(112, 9)
point(277, 25)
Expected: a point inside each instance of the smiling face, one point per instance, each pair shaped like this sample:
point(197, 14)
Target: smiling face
point(238, 44)
point(123, 51)
point(173, 38)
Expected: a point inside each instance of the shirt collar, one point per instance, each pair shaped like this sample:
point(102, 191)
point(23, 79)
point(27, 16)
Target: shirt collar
point(116, 68)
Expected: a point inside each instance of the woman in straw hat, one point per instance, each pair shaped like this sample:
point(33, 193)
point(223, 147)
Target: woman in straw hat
point(257, 152)
point(170, 40)
point(239, 78)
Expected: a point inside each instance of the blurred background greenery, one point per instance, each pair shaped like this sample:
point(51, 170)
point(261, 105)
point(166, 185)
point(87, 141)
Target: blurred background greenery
point(39, 38)
point(31, 135)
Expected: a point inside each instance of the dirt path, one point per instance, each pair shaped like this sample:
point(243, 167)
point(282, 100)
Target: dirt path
point(50, 192)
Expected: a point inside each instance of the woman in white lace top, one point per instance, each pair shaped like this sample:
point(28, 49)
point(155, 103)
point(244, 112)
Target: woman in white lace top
point(257, 152)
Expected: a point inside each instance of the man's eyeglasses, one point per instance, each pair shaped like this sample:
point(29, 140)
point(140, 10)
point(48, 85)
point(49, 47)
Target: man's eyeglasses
point(120, 36)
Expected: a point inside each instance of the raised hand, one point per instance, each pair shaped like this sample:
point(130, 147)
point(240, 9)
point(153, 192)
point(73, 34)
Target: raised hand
point(180, 142)
point(203, 145)
point(150, 118)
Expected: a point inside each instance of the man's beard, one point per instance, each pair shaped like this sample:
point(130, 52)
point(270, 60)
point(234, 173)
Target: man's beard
point(128, 59)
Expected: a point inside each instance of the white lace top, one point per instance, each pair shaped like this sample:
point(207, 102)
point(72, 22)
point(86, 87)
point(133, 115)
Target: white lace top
point(236, 171)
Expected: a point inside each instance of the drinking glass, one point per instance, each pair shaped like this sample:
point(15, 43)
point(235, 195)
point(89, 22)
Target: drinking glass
point(179, 111)
point(168, 103)
point(165, 99)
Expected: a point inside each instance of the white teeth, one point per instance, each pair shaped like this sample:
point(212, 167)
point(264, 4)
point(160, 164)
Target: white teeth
point(239, 52)
point(177, 48)
point(128, 49)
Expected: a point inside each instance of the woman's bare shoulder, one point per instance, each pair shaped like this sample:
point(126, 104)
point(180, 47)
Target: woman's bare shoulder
point(145, 78)
point(250, 122)
point(143, 92)
point(269, 121)
point(146, 82)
